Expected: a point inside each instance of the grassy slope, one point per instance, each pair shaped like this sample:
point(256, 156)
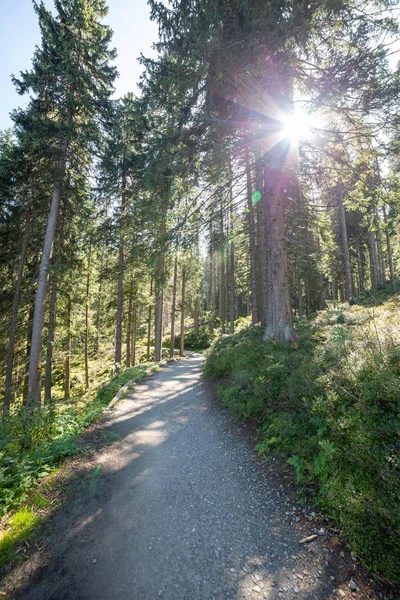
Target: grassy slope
point(31, 447)
point(329, 403)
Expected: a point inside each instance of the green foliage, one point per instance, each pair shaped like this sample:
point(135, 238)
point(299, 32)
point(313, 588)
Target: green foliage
point(18, 529)
point(197, 343)
point(33, 441)
point(329, 404)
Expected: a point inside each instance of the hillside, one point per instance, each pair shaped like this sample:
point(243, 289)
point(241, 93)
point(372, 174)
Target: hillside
point(329, 404)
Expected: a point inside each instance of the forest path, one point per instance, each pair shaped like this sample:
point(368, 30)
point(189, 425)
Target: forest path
point(180, 509)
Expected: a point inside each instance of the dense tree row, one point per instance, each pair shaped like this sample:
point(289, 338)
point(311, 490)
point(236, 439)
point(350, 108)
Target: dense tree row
point(210, 197)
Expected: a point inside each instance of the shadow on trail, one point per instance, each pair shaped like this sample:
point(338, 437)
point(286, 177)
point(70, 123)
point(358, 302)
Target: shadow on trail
point(176, 509)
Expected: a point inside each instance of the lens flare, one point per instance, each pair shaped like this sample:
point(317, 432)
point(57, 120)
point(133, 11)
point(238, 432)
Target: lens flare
point(297, 126)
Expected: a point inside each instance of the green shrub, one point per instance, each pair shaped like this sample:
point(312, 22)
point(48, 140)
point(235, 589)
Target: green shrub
point(329, 404)
point(33, 441)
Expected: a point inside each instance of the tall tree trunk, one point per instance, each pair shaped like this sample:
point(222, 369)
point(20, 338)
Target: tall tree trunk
point(252, 238)
point(279, 311)
point(120, 288)
point(40, 302)
point(98, 317)
point(14, 314)
point(173, 309)
point(196, 313)
point(67, 350)
point(50, 337)
point(128, 358)
point(232, 265)
point(360, 263)
point(345, 243)
point(212, 283)
point(299, 297)
point(149, 321)
point(133, 335)
point(31, 314)
point(222, 310)
point(262, 233)
point(389, 251)
point(87, 299)
point(182, 340)
point(381, 259)
point(373, 259)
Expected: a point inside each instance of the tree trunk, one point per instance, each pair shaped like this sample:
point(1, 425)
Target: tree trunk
point(360, 263)
point(381, 260)
point(196, 313)
point(345, 243)
point(222, 311)
point(120, 291)
point(232, 266)
point(133, 337)
point(279, 311)
point(14, 315)
point(299, 297)
point(40, 303)
point(149, 321)
point(87, 383)
point(67, 350)
point(173, 309)
point(182, 340)
point(389, 251)
point(252, 238)
point(373, 260)
point(98, 315)
point(128, 359)
point(28, 352)
point(50, 337)
point(262, 229)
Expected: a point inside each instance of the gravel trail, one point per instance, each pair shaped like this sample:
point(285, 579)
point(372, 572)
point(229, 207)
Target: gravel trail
point(179, 508)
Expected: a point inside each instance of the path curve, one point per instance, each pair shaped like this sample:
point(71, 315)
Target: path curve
point(181, 510)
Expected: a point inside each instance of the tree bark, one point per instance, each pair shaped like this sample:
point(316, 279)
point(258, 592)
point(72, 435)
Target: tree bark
point(67, 350)
point(182, 340)
point(262, 232)
point(173, 309)
point(50, 337)
point(252, 238)
point(14, 314)
point(87, 383)
point(129, 328)
point(231, 266)
point(133, 338)
point(360, 263)
point(40, 302)
point(149, 321)
point(373, 259)
point(279, 311)
point(389, 251)
point(120, 288)
point(345, 242)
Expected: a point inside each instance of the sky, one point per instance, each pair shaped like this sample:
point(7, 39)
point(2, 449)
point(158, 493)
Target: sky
point(134, 33)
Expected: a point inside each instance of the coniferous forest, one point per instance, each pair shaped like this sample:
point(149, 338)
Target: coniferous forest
point(244, 204)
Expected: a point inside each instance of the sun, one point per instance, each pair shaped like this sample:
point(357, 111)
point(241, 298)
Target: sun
point(297, 125)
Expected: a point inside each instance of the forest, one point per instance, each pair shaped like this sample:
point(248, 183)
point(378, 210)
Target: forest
point(245, 204)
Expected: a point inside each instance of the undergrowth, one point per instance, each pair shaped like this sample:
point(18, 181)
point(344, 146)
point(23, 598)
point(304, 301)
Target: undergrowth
point(329, 404)
point(33, 441)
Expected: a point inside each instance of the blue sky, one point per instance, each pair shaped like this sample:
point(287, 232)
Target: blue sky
point(134, 33)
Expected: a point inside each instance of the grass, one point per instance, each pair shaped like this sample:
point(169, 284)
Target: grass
point(32, 446)
point(329, 404)
point(17, 529)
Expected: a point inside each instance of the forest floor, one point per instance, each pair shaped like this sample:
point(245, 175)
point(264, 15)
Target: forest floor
point(178, 506)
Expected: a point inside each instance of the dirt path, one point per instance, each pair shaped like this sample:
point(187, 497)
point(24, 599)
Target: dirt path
point(178, 508)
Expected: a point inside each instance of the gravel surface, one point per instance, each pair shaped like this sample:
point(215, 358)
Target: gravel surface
point(179, 508)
